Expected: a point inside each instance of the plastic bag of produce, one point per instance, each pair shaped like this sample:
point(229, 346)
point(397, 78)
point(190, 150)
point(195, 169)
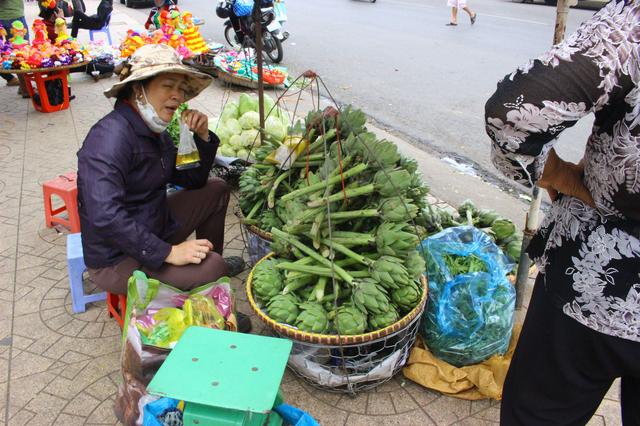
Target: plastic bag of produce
point(469, 314)
point(157, 315)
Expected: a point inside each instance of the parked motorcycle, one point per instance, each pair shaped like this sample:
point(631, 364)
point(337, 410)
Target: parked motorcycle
point(271, 20)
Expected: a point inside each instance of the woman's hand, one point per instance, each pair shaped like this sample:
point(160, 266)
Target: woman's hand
point(198, 123)
point(562, 177)
point(191, 251)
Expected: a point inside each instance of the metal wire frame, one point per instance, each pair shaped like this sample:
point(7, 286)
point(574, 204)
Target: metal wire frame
point(356, 363)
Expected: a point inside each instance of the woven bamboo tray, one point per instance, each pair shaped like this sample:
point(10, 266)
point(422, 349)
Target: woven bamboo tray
point(332, 339)
point(42, 70)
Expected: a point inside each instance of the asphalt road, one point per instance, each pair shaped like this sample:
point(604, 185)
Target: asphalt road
point(398, 61)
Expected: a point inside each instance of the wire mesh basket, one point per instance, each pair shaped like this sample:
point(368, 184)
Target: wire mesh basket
point(347, 364)
point(230, 174)
point(257, 242)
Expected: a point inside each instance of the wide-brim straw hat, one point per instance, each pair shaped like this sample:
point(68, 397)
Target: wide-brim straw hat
point(153, 59)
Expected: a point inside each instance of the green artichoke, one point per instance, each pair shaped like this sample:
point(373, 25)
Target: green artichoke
point(397, 209)
point(380, 154)
point(513, 250)
point(390, 272)
point(350, 320)
point(430, 219)
point(392, 183)
point(379, 321)
point(503, 229)
point(409, 164)
point(267, 280)
point(467, 206)
point(485, 218)
point(392, 239)
point(369, 296)
point(283, 308)
point(312, 318)
point(447, 220)
point(415, 264)
point(407, 297)
point(270, 220)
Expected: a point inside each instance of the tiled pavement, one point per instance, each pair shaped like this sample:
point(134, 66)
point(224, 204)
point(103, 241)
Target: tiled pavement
point(61, 368)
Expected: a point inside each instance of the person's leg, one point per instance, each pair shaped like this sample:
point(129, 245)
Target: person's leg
point(471, 13)
point(114, 278)
point(193, 275)
point(454, 15)
point(203, 211)
point(235, 22)
point(85, 22)
point(630, 400)
point(560, 370)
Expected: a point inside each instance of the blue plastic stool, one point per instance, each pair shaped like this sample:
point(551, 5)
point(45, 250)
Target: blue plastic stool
point(76, 267)
point(104, 29)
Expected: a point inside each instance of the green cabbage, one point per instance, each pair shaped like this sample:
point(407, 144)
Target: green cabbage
point(230, 111)
point(233, 126)
point(250, 138)
point(250, 120)
point(243, 154)
point(235, 141)
point(268, 104)
point(273, 127)
point(223, 133)
point(227, 151)
point(247, 103)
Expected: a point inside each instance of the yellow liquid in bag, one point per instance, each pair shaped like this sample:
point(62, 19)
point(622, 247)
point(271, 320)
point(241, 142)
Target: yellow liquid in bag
point(188, 161)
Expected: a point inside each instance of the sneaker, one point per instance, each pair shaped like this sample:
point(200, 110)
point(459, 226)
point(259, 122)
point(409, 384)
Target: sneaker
point(244, 323)
point(13, 82)
point(235, 265)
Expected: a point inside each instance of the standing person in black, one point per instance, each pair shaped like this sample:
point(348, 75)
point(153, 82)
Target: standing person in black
point(582, 329)
point(91, 22)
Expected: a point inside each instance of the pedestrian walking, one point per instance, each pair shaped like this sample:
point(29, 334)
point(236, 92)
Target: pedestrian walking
point(582, 329)
point(460, 4)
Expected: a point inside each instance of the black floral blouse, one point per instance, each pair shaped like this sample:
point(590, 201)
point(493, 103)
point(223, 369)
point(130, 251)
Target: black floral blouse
point(590, 257)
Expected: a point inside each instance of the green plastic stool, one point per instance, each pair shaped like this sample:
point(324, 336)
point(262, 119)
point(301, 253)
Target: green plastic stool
point(225, 378)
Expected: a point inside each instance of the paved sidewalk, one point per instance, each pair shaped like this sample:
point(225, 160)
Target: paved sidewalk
point(60, 368)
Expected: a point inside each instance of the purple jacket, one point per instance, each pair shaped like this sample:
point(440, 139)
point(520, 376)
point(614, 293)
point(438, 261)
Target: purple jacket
point(123, 170)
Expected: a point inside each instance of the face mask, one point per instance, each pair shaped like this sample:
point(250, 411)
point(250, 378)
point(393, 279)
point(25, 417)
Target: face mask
point(149, 115)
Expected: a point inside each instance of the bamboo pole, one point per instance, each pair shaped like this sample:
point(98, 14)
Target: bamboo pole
point(257, 21)
point(533, 215)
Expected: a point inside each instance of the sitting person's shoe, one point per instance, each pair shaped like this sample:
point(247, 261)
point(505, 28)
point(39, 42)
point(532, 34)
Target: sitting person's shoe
point(13, 82)
point(23, 92)
point(235, 265)
point(244, 323)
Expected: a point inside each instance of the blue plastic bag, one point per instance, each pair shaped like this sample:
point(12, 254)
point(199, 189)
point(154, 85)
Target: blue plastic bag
point(469, 317)
point(153, 412)
point(295, 416)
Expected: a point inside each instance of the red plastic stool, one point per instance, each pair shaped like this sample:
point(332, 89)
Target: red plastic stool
point(39, 78)
point(64, 186)
point(117, 306)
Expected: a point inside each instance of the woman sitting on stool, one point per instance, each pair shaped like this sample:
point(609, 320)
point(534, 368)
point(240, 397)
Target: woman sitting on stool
point(125, 163)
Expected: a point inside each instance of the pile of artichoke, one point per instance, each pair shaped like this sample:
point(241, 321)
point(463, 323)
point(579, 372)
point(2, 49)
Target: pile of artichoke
point(502, 231)
point(342, 218)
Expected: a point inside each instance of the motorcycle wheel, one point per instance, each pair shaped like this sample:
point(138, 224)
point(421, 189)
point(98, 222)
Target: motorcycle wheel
point(277, 53)
point(230, 36)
